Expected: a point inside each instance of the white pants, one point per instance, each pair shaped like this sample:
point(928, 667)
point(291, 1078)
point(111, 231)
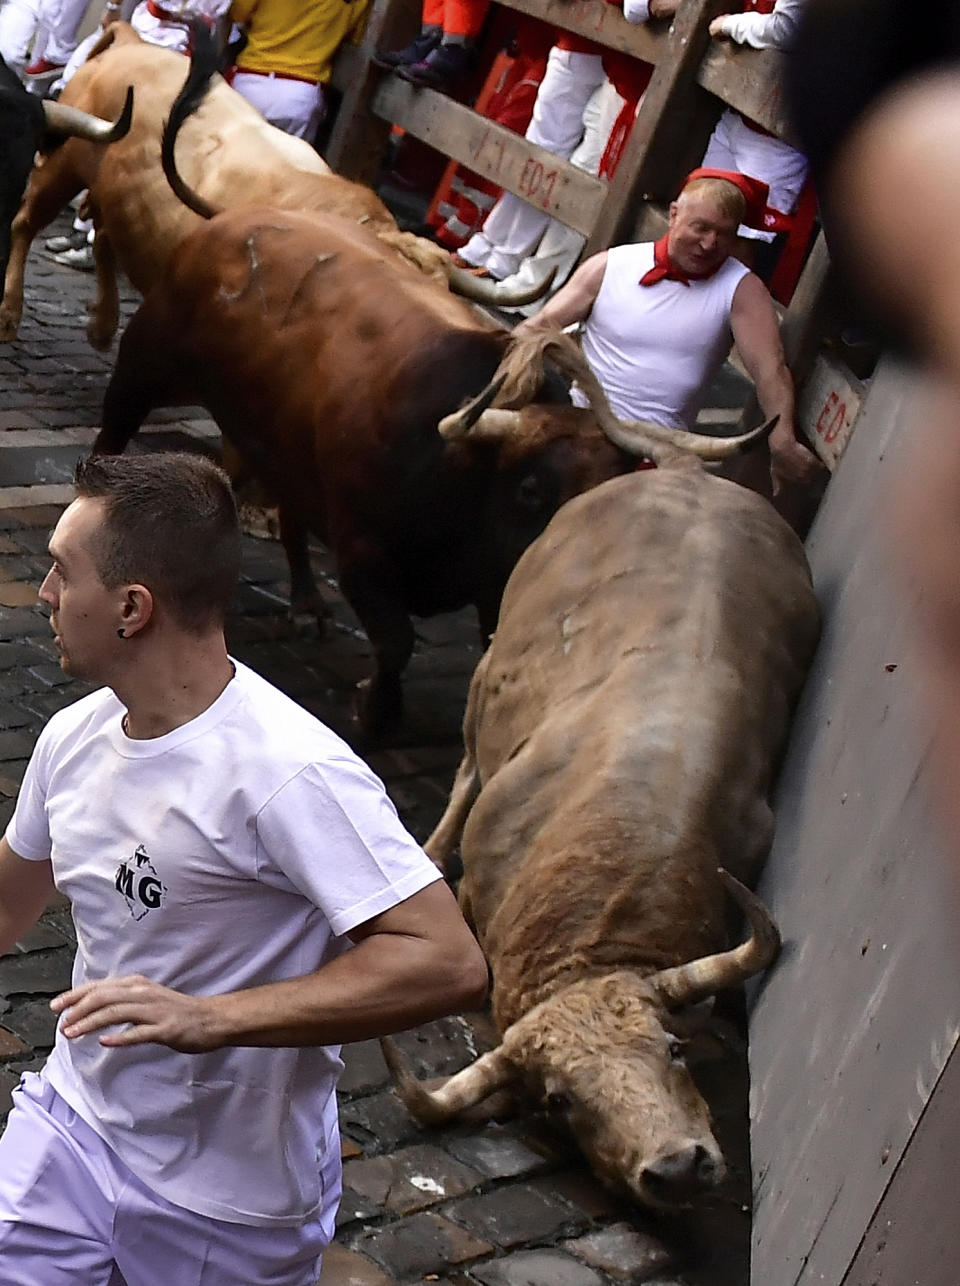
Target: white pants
point(62, 19)
point(513, 228)
point(72, 1214)
point(560, 247)
point(18, 26)
point(735, 146)
point(295, 106)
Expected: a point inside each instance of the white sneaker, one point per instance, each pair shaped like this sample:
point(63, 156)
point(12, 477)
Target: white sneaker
point(80, 258)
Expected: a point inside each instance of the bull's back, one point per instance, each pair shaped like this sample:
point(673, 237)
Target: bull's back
point(316, 349)
point(633, 705)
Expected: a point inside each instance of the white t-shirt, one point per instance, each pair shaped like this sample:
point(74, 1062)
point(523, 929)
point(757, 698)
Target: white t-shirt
point(234, 851)
point(655, 348)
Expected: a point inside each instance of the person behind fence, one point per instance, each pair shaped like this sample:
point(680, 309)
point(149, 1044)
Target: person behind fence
point(576, 69)
point(288, 56)
point(739, 143)
point(444, 50)
point(245, 899)
point(660, 317)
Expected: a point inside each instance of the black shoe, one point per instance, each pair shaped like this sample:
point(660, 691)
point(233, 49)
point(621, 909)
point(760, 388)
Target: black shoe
point(440, 68)
point(416, 51)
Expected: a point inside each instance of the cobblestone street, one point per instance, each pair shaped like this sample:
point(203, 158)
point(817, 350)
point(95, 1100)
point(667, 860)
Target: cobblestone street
point(498, 1204)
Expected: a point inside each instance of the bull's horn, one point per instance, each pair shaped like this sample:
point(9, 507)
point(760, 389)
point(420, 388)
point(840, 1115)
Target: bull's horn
point(689, 983)
point(459, 423)
point(484, 290)
point(635, 436)
point(490, 1072)
point(62, 119)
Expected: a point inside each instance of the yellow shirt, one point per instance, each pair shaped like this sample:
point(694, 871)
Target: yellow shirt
point(296, 37)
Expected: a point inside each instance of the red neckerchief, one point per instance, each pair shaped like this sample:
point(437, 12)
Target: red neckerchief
point(664, 270)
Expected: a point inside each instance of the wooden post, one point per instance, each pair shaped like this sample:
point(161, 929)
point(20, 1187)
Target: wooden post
point(358, 138)
point(658, 130)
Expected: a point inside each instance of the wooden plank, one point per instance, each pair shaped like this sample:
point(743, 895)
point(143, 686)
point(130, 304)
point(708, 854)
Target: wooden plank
point(664, 110)
point(358, 138)
point(566, 193)
point(915, 1234)
point(751, 80)
point(828, 404)
point(601, 22)
point(852, 1029)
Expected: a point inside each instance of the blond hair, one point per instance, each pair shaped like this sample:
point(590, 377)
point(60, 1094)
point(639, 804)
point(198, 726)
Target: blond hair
point(726, 196)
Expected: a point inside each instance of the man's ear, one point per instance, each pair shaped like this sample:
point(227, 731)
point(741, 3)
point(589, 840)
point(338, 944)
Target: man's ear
point(673, 212)
point(136, 609)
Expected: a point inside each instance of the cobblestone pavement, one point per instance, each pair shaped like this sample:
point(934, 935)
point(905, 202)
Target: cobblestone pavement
point(498, 1204)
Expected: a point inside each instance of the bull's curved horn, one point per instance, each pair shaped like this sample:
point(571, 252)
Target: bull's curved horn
point(688, 983)
point(492, 425)
point(63, 119)
point(484, 290)
point(459, 423)
point(635, 436)
point(491, 1071)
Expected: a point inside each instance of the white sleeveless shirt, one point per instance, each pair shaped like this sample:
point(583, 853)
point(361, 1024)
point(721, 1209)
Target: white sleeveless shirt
point(655, 348)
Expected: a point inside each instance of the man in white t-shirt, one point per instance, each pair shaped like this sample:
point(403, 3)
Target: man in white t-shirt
point(660, 318)
point(221, 850)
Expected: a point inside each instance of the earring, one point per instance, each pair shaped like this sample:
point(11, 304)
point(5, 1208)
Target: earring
point(121, 634)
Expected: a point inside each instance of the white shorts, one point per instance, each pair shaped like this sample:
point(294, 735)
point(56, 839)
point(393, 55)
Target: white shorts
point(71, 1214)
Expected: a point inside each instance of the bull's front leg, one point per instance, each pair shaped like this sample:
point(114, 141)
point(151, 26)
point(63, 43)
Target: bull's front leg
point(305, 597)
point(52, 184)
point(370, 583)
point(466, 785)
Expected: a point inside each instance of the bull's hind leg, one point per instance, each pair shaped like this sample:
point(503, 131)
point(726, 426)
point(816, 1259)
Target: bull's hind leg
point(104, 312)
point(147, 374)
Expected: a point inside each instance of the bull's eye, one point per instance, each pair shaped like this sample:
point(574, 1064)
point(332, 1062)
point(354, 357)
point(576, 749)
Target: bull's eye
point(529, 492)
point(556, 1101)
point(676, 1047)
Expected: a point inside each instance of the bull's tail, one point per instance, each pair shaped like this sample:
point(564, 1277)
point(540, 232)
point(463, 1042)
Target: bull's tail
point(204, 64)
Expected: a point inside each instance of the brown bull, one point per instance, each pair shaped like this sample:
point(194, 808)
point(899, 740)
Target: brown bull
point(226, 150)
point(328, 364)
point(621, 737)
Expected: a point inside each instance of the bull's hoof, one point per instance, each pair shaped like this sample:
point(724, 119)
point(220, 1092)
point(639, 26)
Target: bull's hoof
point(378, 707)
point(99, 335)
point(9, 326)
point(310, 613)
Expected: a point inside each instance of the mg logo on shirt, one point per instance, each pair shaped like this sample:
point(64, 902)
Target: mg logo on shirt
point(137, 881)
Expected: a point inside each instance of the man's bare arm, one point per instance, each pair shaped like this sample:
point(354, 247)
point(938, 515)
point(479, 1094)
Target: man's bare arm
point(25, 889)
point(415, 962)
point(573, 302)
point(756, 332)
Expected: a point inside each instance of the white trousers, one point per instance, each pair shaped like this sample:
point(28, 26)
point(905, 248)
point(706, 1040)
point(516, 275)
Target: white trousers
point(295, 106)
point(72, 1214)
point(560, 247)
point(735, 146)
point(62, 19)
point(18, 26)
point(513, 228)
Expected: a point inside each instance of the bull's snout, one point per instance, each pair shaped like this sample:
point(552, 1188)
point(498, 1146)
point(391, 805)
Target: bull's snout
point(678, 1176)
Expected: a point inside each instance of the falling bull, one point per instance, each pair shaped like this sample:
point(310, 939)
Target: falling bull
point(621, 739)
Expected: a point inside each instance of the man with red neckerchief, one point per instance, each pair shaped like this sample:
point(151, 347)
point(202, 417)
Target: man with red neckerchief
point(660, 318)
